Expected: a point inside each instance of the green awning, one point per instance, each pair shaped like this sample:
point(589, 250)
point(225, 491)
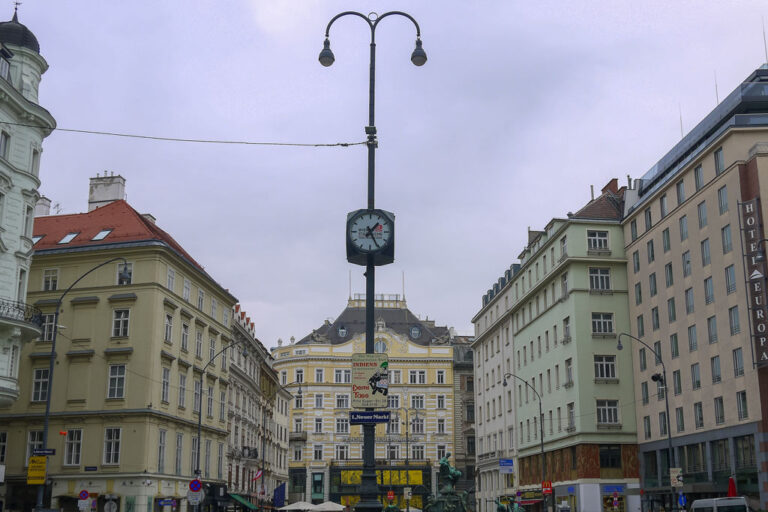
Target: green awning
point(243, 501)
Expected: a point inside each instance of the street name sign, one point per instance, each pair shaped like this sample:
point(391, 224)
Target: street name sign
point(370, 380)
point(167, 503)
point(36, 470)
point(506, 466)
point(44, 451)
point(367, 417)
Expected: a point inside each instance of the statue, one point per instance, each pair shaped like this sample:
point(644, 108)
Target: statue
point(449, 500)
point(448, 475)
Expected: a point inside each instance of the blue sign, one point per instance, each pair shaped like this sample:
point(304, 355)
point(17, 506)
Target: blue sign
point(368, 417)
point(610, 489)
point(166, 503)
point(195, 485)
point(682, 500)
point(91, 468)
point(44, 451)
point(278, 497)
point(506, 466)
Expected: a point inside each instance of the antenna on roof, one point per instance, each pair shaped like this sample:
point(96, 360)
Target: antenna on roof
point(765, 45)
point(403, 285)
point(717, 96)
point(680, 109)
point(16, 7)
point(350, 285)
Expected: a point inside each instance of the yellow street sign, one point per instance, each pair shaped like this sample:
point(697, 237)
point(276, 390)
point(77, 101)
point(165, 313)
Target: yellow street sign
point(36, 470)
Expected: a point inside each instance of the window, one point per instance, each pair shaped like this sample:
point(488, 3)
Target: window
point(698, 177)
point(197, 398)
point(638, 293)
point(709, 291)
point(417, 401)
point(73, 447)
point(298, 402)
point(417, 377)
point(663, 205)
point(602, 323)
point(698, 415)
point(393, 401)
point(300, 375)
point(655, 318)
point(599, 279)
point(642, 361)
point(342, 425)
point(3, 446)
point(318, 425)
point(214, 308)
point(680, 190)
point(652, 284)
point(693, 343)
point(171, 279)
point(608, 412)
point(719, 411)
point(675, 350)
point(441, 426)
point(222, 405)
point(647, 427)
point(187, 289)
point(417, 452)
point(185, 337)
point(683, 222)
point(40, 381)
point(50, 279)
point(648, 220)
point(712, 329)
point(662, 423)
point(657, 352)
point(168, 336)
point(318, 452)
point(441, 374)
point(702, 210)
point(116, 386)
point(166, 384)
point(738, 363)
point(677, 382)
point(597, 240)
point(393, 452)
point(686, 263)
point(640, 326)
point(120, 323)
point(695, 376)
point(47, 328)
point(182, 390)
point(714, 364)
point(112, 445)
point(733, 320)
point(636, 262)
point(161, 451)
point(689, 300)
point(318, 400)
point(725, 235)
point(124, 274)
point(179, 452)
point(665, 242)
point(394, 376)
point(669, 278)
point(342, 376)
point(5, 141)
point(719, 161)
point(441, 401)
point(211, 349)
point(650, 251)
point(342, 452)
point(209, 399)
point(200, 299)
point(605, 367)
point(680, 419)
point(671, 313)
point(705, 254)
point(633, 229)
point(722, 199)
point(741, 404)
point(568, 376)
point(199, 344)
point(342, 401)
point(34, 442)
point(644, 392)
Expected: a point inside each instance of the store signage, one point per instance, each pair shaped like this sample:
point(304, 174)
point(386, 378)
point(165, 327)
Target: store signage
point(755, 268)
point(370, 380)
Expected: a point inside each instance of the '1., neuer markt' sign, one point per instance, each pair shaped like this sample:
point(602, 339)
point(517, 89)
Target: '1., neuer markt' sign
point(752, 235)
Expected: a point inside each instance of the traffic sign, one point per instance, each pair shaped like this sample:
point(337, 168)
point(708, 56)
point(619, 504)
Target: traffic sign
point(546, 487)
point(194, 497)
point(195, 485)
point(367, 417)
point(167, 503)
point(44, 451)
point(506, 466)
point(390, 495)
point(682, 500)
point(84, 494)
point(84, 504)
point(615, 494)
point(36, 470)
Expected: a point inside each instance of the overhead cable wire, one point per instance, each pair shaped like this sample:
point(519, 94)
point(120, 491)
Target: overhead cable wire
point(196, 141)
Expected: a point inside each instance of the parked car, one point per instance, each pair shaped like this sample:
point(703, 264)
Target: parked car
point(737, 504)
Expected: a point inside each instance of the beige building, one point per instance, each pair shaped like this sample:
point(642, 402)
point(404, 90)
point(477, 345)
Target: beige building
point(689, 303)
point(129, 358)
point(325, 451)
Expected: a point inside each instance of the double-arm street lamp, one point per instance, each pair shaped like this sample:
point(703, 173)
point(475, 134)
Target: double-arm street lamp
point(368, 487)
point(123, 277)
point(660, 378)
point(408, 425)
point(541, 432)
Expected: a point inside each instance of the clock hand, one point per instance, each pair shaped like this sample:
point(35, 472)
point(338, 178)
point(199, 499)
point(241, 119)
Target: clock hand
point(370, 234)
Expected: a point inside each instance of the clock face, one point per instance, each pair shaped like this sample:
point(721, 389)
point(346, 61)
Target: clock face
point(370, 231)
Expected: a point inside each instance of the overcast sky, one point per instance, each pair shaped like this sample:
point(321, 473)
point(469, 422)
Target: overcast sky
point(520, 108)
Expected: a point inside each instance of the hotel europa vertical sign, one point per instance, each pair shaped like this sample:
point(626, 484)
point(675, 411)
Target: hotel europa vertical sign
point(755, 269)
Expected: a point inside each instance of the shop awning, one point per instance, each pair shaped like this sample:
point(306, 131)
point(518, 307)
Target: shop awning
point(243, 501)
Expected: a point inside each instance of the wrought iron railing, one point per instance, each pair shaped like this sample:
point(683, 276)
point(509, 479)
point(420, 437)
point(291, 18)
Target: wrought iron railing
point(20, 311)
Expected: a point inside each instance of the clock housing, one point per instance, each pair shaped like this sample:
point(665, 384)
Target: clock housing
point(370, 232)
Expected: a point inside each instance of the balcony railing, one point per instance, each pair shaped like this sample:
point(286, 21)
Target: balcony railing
point(21, 312)
point(297, 436)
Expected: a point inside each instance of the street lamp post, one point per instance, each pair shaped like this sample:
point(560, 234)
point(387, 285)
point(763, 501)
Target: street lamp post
point(662, 378)
point(123, 276)
point(368, 487)
point(541, 434)
point(408, 452)
point(264, 433)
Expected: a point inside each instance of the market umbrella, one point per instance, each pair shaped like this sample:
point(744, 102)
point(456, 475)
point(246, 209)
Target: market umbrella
point(731, 488)
point(328, 506)
point(299, 505)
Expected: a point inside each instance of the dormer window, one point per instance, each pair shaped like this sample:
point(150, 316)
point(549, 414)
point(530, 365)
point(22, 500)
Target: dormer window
point(68, 238)
point(342, 332)
point(380, 347)
point(101, 235)
point(415, 332)
point(37, 238)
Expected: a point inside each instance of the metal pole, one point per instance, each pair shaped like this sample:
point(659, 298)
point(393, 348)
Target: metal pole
point(51, 365)
point(407, 454)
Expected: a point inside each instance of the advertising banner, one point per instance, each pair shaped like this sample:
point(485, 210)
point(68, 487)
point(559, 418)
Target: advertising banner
point(370, 380)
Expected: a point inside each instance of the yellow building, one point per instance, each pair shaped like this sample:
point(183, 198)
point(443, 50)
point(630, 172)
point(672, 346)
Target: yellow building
point(325, 451)
point(129, 358)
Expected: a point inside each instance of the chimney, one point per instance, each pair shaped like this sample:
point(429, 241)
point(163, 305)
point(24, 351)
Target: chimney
point(104, 190)
point(612, 185)
point(592, 191)
point(149, 217)
point(43, 207)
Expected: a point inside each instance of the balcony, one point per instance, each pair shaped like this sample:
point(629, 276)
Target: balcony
point(28, 318)
point(297, 436)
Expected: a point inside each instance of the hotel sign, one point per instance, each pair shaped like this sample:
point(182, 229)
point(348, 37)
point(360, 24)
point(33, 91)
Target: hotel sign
point(752, 236)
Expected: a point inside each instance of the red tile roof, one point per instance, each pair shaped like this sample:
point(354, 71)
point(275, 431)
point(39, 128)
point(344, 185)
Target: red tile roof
point(127, 225)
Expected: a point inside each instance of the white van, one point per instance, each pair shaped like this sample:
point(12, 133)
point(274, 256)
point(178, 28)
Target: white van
point(737, 504)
